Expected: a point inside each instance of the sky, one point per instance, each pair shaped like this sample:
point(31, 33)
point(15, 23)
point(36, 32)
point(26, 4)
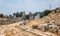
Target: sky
point(12, 6)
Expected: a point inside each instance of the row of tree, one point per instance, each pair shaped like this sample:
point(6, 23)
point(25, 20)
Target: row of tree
point(44, 13)
point(41, 14)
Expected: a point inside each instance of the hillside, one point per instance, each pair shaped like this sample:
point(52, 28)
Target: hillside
point(25, 28)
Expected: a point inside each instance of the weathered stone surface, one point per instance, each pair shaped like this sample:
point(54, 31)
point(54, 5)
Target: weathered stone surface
point(37, 17)
point(31, 16)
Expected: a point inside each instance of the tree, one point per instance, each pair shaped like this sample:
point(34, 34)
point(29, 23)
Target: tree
point(27, 16)
point(17, 14)
point(1, 15)
point(20, 14)
point(14, 13)
point(46, 12)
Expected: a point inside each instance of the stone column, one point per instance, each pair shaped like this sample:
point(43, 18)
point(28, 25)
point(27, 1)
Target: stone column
point(30, 16)
point(23, 15)
point(37, 17)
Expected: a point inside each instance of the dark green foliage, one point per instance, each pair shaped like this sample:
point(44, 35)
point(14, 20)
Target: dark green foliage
point(1, 15)
point(46, 12)
point(20, 14)
point(36, 13)
point(17, 14)
point(57, 9)
point(41, 14)
point(27, 16)
point(14, 13)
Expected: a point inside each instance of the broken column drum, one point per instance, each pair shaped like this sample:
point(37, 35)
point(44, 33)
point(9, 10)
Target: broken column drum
point(44, 28)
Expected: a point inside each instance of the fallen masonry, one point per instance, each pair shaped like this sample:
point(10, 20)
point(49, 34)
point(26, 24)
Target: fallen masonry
point(36, 31)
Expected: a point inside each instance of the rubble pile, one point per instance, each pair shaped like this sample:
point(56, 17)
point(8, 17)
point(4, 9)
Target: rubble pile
point(47, 26)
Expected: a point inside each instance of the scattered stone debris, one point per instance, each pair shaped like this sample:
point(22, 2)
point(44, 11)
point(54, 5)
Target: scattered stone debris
point(47, 26)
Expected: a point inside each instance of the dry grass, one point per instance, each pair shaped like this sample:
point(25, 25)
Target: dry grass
point(12, 30)
point(7, 30)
